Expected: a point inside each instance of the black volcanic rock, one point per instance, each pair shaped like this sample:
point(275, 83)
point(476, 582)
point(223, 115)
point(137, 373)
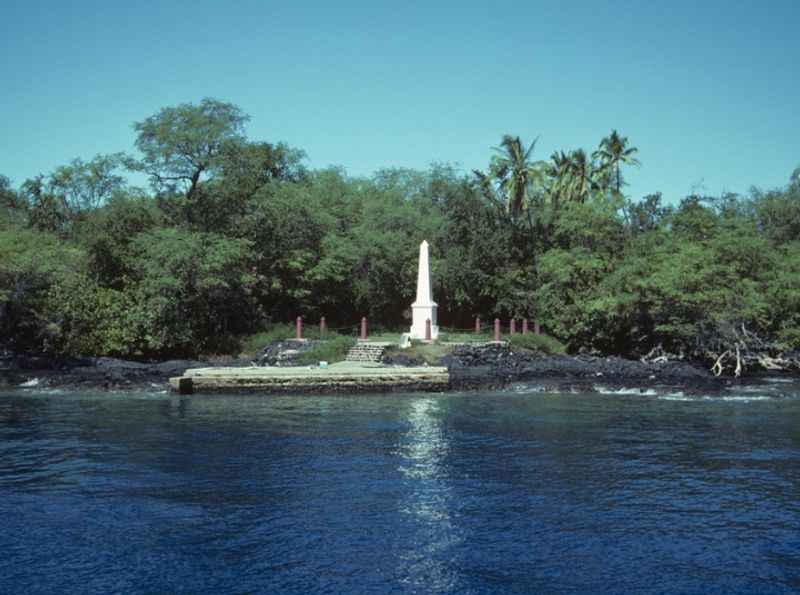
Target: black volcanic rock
point(497, 365)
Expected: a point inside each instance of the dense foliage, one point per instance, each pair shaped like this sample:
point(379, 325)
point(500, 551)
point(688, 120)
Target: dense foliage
point(236, 234)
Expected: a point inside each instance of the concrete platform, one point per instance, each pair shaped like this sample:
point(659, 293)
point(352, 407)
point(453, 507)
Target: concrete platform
point(339, 377)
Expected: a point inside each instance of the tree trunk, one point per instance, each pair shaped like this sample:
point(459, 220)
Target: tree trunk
point(194, 183)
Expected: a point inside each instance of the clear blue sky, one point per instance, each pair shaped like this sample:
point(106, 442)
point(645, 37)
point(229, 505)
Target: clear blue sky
point(709, 91)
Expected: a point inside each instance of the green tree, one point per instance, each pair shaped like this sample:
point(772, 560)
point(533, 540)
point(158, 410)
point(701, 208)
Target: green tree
point(11, 204)
point(783, 294)
point(588, 238)
point(777, 214)
point(647, 214)
point(568, 279)
point(84, 318)
point(695, 219)
point(107, 232)
point(472, 244)
point(245, 168)
point(46, 212)
point(248, 165)
point(82, 186)
point(193, 291)
point(31, 262)
point(794, 179)
point(179, 145)
point(286, 228)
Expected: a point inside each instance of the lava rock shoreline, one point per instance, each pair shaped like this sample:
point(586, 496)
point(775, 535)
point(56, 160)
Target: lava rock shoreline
point(496, 366)
point(91, 373)
point(471, 367)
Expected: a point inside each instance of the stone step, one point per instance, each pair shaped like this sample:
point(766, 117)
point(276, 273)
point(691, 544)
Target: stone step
point(370, 348)
point(366, 352)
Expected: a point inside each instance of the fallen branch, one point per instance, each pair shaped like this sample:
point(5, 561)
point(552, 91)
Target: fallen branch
point(717, 368)
point(735, 349)
point(738, 371)
point(657, 355)
point(777, 364)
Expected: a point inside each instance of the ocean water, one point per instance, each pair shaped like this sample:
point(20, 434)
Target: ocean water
point(515, 491)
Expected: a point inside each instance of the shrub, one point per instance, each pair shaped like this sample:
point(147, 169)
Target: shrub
point(333, 350)
point(86, 319)
point(252, 344)
point(542, 344)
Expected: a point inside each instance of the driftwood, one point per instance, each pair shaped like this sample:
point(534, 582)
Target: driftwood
point(717, 368)
point(736, 348)
point(658, 355)
point(732, 349)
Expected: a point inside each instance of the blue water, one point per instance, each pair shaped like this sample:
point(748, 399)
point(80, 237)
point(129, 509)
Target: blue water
point(506, 492)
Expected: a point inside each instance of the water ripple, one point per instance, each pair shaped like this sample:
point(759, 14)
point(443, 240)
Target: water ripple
point(463, 493)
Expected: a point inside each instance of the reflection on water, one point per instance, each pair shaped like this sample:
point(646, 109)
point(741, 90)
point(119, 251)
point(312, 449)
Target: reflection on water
point(424, 446)
point(480, 493)
point(422, 461)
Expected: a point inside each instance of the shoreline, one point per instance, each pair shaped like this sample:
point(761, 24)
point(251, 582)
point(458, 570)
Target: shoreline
point(470, 368)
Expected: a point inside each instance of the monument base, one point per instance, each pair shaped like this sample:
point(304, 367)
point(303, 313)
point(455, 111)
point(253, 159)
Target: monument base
point(420, 314)
point(419, 334)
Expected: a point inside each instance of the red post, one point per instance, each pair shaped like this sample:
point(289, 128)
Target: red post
point(298, 328)
point(536, 328)
point(477, 325)
point(497, 329)
point(524, 326)
point(513, 327)
point(364, 328)
point(428, 329)
point(323, 327)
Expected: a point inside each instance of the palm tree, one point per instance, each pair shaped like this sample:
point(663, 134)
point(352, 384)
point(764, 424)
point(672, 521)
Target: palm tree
point(487, 189)
point(794, 180)
point(582, 178)
point(559, 173)
point(612, 153)
point(573, 177)
point(514, 173)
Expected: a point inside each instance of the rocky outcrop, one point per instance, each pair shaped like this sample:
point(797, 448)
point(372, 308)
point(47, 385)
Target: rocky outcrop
point(90, 372)
point(284, 353)
point(498, 365)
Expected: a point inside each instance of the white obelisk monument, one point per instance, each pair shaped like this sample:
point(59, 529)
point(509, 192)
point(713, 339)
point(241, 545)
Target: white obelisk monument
point(424, 308)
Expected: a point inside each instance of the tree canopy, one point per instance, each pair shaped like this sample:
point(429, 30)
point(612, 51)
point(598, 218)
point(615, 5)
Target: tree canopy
point(236, 234)
point(180, 144)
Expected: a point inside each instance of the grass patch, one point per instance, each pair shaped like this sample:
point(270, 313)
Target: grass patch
point(466, 337)
point(430, 353)
point(333, 350)
point(541, 344)
point(385, 336)
point(252, 344)
point(446, 337)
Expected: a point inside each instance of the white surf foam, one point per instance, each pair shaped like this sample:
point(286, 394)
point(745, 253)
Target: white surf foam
point(528, 388)
point(678, 396)
point(752, 389)
point(724, 398)
point(624, 391)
